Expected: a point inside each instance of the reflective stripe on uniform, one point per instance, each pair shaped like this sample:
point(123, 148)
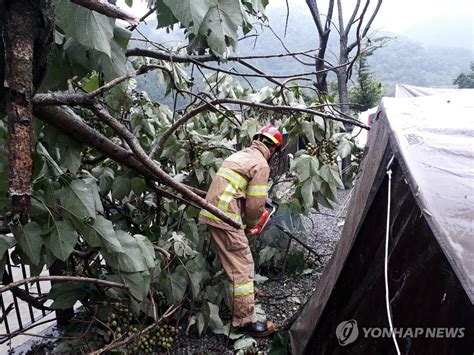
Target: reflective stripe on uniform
point(242, 289)
point(226, 197)
point(235, 178)
point(257, 191)
point(208, 214)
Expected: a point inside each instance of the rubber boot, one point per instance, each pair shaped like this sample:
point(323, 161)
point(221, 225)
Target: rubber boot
point(258, 329)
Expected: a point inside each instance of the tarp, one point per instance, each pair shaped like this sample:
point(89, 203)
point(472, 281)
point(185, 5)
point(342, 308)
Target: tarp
point(432, 240)
point(435, 137)
point(403, 90)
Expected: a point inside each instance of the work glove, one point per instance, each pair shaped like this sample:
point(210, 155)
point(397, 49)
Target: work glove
point(260, 225)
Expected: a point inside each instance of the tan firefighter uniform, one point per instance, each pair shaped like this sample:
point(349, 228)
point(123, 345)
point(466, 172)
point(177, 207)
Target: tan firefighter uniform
point(239, 189)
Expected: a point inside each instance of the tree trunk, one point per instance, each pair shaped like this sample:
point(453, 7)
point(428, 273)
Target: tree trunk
point(321, 77)
point(28, 35)
point(20, 34)
point(344, 102)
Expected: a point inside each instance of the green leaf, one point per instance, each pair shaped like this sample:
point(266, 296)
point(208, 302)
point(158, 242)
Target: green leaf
point(138, 283)
point(70, 153)
point(147, 250)
point(89, 28)
point(29, 239)
point(266, 254)
point(78, 199)
point(322, 200)
point(305, 166)
point(215, 321)
point(121, 188)
point(335, 174)
point(58, 71)
point(207, 158)
point(296, 262)
point(138, 253)
point(307, 129)
point(129, 3)
point(106, 180)
point(66, 294)
point(216, 21)
point(189, 12)
point(138, 185)
point(92, 83)
point(330, 192)
point(214, 293)
point(174, 285)
point(62, 239)
point(6, 243)
point(202, 321)
point(199, 174)
point(38, 164)
point(121, 37)
point(220, 25)
point(102, 231)
point(307, 194)
point(344, 148)
point(196, 270)
point(164, 15)
point(55, 168)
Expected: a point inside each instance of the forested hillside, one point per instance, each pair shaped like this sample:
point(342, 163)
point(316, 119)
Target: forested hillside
point(402, 59)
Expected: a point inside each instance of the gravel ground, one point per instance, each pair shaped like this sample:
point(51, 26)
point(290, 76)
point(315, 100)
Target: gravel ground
point(283, 296)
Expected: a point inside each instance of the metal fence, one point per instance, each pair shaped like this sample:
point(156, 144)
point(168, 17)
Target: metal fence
point(17, 315)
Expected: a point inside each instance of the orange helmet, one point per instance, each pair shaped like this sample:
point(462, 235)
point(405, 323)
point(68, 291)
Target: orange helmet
point(272, 133)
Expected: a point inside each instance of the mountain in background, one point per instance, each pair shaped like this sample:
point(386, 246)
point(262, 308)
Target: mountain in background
point(434, 56)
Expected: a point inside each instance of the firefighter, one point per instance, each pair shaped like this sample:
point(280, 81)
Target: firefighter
point(239, 189)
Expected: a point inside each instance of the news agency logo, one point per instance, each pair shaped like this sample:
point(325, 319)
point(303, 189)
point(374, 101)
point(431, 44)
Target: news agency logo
point(347, 332)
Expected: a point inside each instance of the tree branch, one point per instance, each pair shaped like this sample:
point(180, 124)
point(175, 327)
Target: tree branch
point(73, 99)
point(66, 278)
point(142, 70)
point(23, 294)
point(347, 30)
point(351, 46)
point(357, 41)
point(105, 8)
point(141, 155)
point(74, 126)
point(119, 343)
point(158, 147)
point(143, 18)
point(176, 58)
point(291, 236)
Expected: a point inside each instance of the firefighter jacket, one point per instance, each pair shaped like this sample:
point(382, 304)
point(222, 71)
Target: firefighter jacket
point(239, 187)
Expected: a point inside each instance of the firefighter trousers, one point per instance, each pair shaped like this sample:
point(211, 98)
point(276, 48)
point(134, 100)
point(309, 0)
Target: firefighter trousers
point(234, 253)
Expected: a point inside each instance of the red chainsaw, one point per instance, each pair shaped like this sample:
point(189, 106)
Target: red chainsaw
point(270, 209)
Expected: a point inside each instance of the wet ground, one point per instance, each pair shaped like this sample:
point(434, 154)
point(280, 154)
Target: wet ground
point(283, 296)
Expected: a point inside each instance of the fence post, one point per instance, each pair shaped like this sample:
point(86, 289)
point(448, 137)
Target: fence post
point(63, 316)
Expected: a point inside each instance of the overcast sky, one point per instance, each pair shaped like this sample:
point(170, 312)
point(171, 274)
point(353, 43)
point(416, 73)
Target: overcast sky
point(394, 16)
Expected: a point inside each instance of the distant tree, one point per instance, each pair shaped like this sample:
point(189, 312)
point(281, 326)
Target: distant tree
point(359, 22)
point(465, 81)
point(368, 91)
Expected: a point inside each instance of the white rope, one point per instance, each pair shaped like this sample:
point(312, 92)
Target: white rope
point(387, 233)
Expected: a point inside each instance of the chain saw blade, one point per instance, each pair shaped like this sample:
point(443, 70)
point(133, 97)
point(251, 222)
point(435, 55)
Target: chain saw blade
point(272, 208)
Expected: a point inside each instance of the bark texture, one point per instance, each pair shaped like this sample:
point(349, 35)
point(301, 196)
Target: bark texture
point(20, 34)
point(28, 26)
